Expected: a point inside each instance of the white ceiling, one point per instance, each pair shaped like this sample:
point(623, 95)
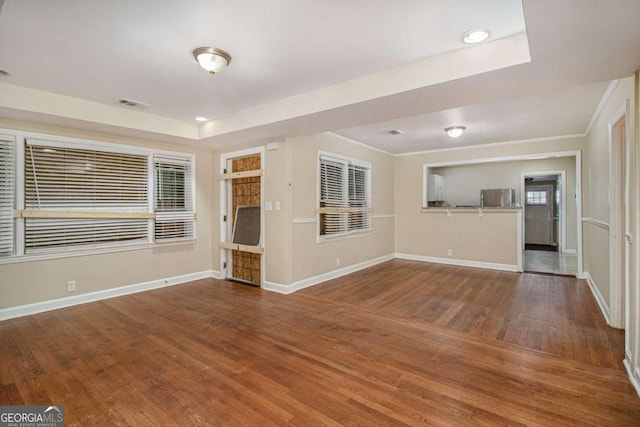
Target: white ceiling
point(299, 67)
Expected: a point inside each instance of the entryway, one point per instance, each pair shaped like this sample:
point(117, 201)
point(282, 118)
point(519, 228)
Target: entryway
point(544, 201)
point(241, 222)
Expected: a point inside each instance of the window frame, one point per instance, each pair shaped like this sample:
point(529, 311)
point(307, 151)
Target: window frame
point(348, 163)
point(20, 139)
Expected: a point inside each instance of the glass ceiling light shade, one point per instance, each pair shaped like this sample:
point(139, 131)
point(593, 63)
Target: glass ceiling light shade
point(475, 36)
point(211, 59)
point(455, 131)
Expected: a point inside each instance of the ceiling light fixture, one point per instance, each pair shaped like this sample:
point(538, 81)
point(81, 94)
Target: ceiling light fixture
point(201, 119)
point(455, 131)
point(475, 36)
point(211, 59)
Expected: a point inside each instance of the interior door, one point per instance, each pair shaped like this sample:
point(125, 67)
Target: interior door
point(538, 215)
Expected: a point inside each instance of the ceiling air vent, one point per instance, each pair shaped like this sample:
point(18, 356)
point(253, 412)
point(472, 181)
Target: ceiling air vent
point(132, 103)
point(395, 132)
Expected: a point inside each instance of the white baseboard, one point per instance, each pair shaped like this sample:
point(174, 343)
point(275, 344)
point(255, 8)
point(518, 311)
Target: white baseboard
point(460, 262)
point(602, 303)
point(216, 274)
point(39, 307)
point(305, 283)
point(635, 379)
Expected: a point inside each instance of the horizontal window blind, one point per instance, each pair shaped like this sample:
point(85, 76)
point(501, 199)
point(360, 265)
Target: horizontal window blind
point(83, 180)
point(333, 195)
point(174, 206)
point(359, 198)
point(7, 195)
point(345, 196)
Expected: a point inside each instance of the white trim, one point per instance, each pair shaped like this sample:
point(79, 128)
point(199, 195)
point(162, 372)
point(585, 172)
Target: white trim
point(493, 144)
point(39, 307)
point(596, 222)
point(635, 379)
point(597, 295)
point(311, 281)
point(605, 98)
point(377, 216)
point(96, 251)
point(570, 251)
point(305, 220)
point(531, 156)
point(461, 262)
point(361, 144)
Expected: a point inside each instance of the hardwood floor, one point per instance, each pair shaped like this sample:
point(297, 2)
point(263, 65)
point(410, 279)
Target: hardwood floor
point(402, 343)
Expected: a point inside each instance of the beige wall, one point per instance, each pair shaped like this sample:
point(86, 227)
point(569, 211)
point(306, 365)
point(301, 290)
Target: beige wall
point(595, 171)
point(312, 258)
point(490, 238)
point(34, 281)
point(463, 183)
point(408, 188)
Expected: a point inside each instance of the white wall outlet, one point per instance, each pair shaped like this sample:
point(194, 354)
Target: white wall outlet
point(267, 205)
point(450, 252)
point(338, 262)
point(71, 286)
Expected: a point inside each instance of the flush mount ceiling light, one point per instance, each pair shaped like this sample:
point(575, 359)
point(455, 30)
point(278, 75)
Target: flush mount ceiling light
point(201, 119)
point(475, 36)
point(211, 59)
point(455, 131)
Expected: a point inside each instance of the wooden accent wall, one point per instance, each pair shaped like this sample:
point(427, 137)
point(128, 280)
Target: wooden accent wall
point(245, 192)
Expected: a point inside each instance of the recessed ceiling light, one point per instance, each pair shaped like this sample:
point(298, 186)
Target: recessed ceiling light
point(211, 59)
point(455, 131)
point(395, 132)
point(201, 119)
point(475, 36)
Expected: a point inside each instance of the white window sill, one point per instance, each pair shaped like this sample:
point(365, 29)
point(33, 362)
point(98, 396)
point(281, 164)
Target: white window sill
point(94, 251)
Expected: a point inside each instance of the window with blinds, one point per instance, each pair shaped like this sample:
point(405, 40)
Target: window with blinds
point(174, 207)
point(7, 195)
point(71, 185)
point(345, 195)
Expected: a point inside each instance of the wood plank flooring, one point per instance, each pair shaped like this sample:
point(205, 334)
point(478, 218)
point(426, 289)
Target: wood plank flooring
point(401, 343)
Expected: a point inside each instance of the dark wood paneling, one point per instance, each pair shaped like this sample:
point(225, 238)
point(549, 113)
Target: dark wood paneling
point(402, 343)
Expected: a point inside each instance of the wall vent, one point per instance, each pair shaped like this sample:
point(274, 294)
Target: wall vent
point(132, 103)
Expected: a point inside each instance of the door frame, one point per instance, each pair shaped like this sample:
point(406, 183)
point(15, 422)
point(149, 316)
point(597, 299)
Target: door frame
point(619, 238)
point(226, 227)
point(562, 232)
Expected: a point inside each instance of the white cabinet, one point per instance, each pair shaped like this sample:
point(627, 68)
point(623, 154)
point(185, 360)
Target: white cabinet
point(435, 187)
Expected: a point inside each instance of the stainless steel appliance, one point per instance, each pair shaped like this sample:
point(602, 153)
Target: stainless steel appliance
point(498, 198)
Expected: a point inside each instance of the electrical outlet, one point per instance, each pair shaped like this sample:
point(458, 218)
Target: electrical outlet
point(71, 286)
point(338, 262)
point(450, 252)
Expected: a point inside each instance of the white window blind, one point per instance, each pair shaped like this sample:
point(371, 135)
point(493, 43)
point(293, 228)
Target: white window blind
point(174, 206)
point(59, 178)
point(345, 196)
point(7, 195)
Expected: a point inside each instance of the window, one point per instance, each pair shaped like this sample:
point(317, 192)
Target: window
point(7, 195)
point(345, 195)
point(79, 195)
point(536, 198)
point(64, 187)
point(173, 198)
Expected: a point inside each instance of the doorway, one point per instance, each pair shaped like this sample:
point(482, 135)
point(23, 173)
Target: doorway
point(241, 216)
point(544, 204)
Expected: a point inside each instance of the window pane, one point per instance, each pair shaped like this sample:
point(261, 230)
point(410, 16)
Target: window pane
point(536, 198)
point(175, 218)
point(7, 196)
point(85, 180)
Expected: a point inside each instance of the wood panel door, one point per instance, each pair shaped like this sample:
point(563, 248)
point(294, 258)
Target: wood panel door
point(246, 266)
